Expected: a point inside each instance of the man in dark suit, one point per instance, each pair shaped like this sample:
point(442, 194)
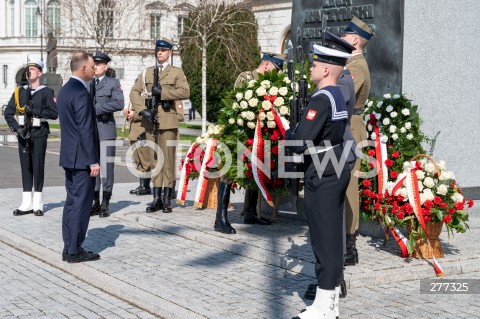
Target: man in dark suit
point(79, 156)
point(108, 99)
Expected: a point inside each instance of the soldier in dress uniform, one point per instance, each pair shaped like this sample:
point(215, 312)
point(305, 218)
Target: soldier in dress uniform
point(357, 33)
point(270, 61)
point(32, 142)
point(108, 99)
point(323, 123)
point(172, 86)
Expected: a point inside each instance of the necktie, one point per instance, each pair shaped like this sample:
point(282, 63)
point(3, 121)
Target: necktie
point(96, 81)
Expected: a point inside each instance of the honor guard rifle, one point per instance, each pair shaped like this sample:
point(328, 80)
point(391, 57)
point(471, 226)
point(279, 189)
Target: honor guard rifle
point(156, 94)
point(27, 129)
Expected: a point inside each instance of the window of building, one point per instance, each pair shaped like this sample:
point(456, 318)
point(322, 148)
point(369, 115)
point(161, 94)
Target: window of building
point(12, 17)
point(53, 16)
point(5, 73)
point(180, 22)
point(31, 29)
point(155, 20)
point(105, 18)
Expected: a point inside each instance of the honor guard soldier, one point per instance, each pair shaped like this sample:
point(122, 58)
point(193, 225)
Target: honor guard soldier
point(357, 33)
point(323, 124)
point(270, 61)
point(160, 121)
point(107, 98)
point(34, 104)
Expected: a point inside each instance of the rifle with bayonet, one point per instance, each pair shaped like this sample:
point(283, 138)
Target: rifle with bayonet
point(27, 128)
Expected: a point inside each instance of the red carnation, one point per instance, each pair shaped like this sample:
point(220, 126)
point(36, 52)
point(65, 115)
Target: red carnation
point(366, 202)
point(470, 203)
point(372, 164)
point(428, 204)
point(437, 200)
point(447, 219)
point(393, 174)
point(273, 165)
point(377, 206)
point(395, 154)
point(249, 174)
point(451, 211)
point(443, 205)
point(190, 155)
point(400, 198)
point(401, 215)
point(389, 162)
point(275, 150)
point(371, 153)
point(459, 206)
point(249, 142)
point(427, 218)
point(249, 166)
point(367, 183)
point(367, 192)
point(408, 208)
point(266, 97)
point(275, 135)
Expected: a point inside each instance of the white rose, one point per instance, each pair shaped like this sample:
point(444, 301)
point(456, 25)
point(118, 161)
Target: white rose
point(250, 116)
point(243, 114)
point(248, 95)
point(378, 116)
point(369, 127)
point(403, 130)
point(235, 105)
point(442, 165)
point(393, 128)
point(395, 136)
point(430, 168)
point(271, 124)
point(205, 135)
point(244, 104)
point(265, 83)
point(251, 125)
point(267, 105)
point(287, 80)
point(379, 104)
point(367, 117)
point(273, 90)
point(420, 174)
point(231, 121)
point(396, 96)
point(428, 194)
point(296, 87)
point(386, 121)
point(457, 198)
point(420, 186)
point(406, 165)
point(261, 91)
point(270, 116)
point(429, 182)
point(409, 136)
point(389, 108)
point(450, 174)
point(387, 96)
point(239, 96)
point(262, 125)
point(278, 101)
point(423, 198)
point(253, 102)
point(216, 131)
point(373, 136)
point(442, 189)
point(406, 112)
point(283, 91)
point(393, 114)
point(283, 110)
point(240, 122)
point(262, 116)
point(297, 72)
point(252, 83)
point(408, 125)
point(369, 103)
point(384, 139)
point(404, 192)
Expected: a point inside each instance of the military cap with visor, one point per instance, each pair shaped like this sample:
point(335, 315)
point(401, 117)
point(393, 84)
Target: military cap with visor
point(101, 57)
point(164, 43)
point(36, 63)
point(334, 51)
point(276, 58)
point(359, 27)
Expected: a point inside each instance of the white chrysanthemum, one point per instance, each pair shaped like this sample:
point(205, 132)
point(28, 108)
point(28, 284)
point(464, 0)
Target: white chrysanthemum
point(271, 124)
point(392, 129)
point(387, 96)
point(384, 139)
point(409, 136)
point(393, 114)
point(270, 116)
point(283, 110)
point(251, 83)
point(369, 127)
point(396, 96)
point(267, 105)
point(428, 194)
point(251, 125)
point(287, 80)
point(262, 116)
point(266, 84)
point(429, 182)
point(386, 121)
point(283, 91)
point(235, 105)
point(406, 112)
point(373, 136)
point(389, 108)
point(395, 136)
point(408, 125)
point(379, 104)
point(250, 116)
point(248, 95)
point(261, 91)
point(273, 90)
point(442, 189)
point(420, 186)
point(442, 165)
point(244, 105)
point(369, 103)
point(403, 130)
point(253, 102)
point(231, 121)
point(420, 174)
point(239, 96)
point(279, 101)
point(457, 198)
point(240, 122)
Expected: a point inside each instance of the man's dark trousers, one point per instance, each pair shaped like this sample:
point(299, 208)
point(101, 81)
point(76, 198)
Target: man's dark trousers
point(76, 212)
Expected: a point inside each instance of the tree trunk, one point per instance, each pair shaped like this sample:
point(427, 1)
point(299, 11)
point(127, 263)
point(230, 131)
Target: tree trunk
point(204, 83)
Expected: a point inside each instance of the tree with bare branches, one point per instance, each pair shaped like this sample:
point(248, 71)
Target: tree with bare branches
point(219, 28)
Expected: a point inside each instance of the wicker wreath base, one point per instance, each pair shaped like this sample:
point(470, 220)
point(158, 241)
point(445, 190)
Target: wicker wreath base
point(423, 250)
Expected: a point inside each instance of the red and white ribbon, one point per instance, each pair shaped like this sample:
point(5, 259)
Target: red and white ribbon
point(202, 180)
point(182, 188)
point(381, 155)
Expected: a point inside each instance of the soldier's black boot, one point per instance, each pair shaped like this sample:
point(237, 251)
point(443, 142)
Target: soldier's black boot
point(174, 192)
point(135, 191)
point(250, 209)
point(145, 190)
point(157, 200)
point(96, 204)
point(351, 256)
point(167, 194)
point(104, 209)
point(221, 220)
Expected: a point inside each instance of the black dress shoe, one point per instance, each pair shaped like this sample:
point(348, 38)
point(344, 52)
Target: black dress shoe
point(38, 212)
point(82, 256)
point(18, 212)
point(64, 255)
point(257, 221)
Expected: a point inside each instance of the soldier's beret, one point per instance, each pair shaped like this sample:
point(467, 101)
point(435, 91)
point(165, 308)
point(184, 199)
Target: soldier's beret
point(359, 27)
point(101, 57)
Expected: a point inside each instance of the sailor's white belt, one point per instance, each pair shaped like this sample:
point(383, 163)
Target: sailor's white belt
point(319, 149)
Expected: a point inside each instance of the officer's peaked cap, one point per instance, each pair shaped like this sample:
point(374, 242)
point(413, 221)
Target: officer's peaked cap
point(276, 58)
point(164, 43)
point(36, 63)
point(101, 57)
point(359, 27)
